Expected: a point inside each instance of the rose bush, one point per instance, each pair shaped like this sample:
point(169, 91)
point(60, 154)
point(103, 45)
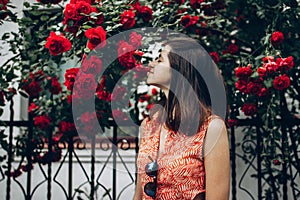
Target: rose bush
point(254, 43)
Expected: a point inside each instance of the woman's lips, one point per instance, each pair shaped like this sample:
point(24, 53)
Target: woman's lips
point(149, 72)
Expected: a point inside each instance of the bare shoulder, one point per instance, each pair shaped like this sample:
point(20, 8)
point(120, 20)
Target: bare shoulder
point(216, 125)
point(216, 135)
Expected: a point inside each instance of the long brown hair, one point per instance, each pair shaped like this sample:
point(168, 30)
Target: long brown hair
point(188, 104)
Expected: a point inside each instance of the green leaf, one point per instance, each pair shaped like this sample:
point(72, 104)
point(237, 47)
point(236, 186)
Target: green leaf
point(44, 18)
point(35, 13)
point(117, 26)
point(26, 4)
point(86, 27)
point(267, 38)
point(254, 75)
point(268, 83)
point(5, 36)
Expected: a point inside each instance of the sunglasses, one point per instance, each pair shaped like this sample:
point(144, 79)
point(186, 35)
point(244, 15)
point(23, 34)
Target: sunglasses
point(151, 170)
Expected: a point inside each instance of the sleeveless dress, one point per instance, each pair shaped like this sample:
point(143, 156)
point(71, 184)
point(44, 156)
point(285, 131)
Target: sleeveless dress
point(181, 173)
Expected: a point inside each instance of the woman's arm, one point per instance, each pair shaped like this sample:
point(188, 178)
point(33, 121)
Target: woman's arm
point(138, 189)
point(217, 161)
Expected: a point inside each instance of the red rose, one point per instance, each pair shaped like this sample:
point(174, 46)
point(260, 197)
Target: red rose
point(4, 2)
point(118, 114)
point(263, 92)
point(125, 55)
point(232, 122)
point(135, 40)
point(57, 44)
point(49, 1)
point(196, 3)
point(83, 8)
point(277, 38)
point(55, 86)
point(12, 91)
point(70, 12)
point(146, 13)
point(136, 6)
point(140, 72)
point(232, 48)
point(249, 109)
point(33, 88)
point(16, 173)
point(281, 82)
point(268, 59)
point(99, 21)
point(144, 98)
point(85, 86)
point(102, 82)
point(70, 76)
point(89, 121)
point(149, 106)
point(188, 22)
point(67, 127)
point(185, 20)
point(75, 15)
point(262, 71)
point(97, 37)
point(154, 91)
point(254, 87)
point(243, 72)
point(270, 67)
point(42, 122)
point(127, 60)
point(32, 107)
point(37, 76)
point(215, 56)
point(118, 93)
point(285, 64)
point(138, 54)
point(92, 65)
point(127, 19)
point(72, 19)
point(103, 95)
point(2, 100)
point(276, 162)
point(26, 168)
point(87, 1)
point(241, 85)
point(124, 47)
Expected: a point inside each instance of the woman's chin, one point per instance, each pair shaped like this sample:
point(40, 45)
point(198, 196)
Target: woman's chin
point(149, 82)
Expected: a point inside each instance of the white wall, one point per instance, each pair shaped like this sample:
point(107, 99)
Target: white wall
point(249, 183)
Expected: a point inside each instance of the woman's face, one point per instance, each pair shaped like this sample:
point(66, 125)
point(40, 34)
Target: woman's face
point(160, 70)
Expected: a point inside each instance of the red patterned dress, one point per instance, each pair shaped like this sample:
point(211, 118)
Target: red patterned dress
point(181, 173)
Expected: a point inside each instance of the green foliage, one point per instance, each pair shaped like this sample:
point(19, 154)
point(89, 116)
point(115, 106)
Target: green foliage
point(248, 24)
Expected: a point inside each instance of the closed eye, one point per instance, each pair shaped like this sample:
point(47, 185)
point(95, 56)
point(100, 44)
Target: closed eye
point(159, 59)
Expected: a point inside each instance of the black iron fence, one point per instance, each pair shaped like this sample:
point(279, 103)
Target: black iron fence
point(276, 179)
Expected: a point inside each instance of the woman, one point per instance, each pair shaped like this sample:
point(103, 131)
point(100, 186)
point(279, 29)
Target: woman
point(184, 150)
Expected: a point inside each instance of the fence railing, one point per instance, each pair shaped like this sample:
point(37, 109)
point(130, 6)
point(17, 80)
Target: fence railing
point(265, 182)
